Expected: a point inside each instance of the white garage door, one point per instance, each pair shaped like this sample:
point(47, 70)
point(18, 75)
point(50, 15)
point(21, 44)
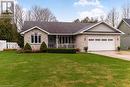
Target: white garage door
point(101, 43)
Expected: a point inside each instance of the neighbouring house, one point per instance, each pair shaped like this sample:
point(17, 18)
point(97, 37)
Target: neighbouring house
point(124, 26)
point(96, 36)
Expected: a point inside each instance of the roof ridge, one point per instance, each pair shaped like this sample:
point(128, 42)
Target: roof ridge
point(58, 22)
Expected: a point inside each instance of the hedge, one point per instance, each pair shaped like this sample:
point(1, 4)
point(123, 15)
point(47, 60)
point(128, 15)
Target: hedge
point(61, 50)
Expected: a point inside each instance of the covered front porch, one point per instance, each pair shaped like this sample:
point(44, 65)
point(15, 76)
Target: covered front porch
point(61, 41)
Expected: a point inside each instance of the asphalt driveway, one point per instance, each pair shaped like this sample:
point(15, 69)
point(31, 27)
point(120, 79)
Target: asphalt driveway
point(125, 55)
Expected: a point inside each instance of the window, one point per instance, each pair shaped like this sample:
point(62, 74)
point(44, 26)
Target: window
point(110, 39)
point(91, 39)
point(104, 39)
point(97, 39)
point(39, 39)
point(35, 38)
point(32, 38)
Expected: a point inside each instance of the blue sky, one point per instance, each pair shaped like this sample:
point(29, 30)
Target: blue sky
point(68, 10)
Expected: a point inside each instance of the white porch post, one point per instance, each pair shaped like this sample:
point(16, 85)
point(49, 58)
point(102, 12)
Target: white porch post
point(56, 41)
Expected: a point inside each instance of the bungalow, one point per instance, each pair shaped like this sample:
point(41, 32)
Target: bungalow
point(96, 36)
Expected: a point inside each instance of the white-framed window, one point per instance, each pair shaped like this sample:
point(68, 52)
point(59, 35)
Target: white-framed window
point(36, 38)
point(91, 39)
point(110, 39)
point(97, 39)
point(104, 39)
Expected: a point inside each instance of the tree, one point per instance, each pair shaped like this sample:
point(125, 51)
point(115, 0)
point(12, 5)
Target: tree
point(20, 40)
point(18, 17)
point(27, 47)
point(126, 10)
point(112, 17)
point(77, 21)
point(40, 14)
point(28, 16)
point(87, 20)
point(43, 47)
point(8, 30)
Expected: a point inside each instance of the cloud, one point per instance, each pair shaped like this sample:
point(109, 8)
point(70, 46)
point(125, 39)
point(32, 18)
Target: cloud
point(96, 9)
point(95, 13)
point(88, 2)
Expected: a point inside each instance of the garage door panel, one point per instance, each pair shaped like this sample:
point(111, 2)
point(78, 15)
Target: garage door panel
point(101, 43)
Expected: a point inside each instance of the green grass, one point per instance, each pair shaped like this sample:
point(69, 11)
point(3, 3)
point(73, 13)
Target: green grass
point(62, 70)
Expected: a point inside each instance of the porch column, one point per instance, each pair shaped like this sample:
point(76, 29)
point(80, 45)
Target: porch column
point(56, 41)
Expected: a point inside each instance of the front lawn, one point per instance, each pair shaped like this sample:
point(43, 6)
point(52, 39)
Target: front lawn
point(62, 70)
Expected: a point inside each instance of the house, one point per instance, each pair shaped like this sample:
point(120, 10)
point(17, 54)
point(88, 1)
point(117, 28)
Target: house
point(96, 36)
point(124, 26)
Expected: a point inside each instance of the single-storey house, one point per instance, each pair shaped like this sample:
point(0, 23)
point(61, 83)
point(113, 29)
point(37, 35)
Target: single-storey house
point(124, 26)
point(96, 36)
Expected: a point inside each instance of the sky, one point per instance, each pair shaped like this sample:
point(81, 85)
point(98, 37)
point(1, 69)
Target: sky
point(69, 10)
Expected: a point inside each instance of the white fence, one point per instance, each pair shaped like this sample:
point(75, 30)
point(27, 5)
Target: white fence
point(12, 45)
point(8, 45)
point(2, 45)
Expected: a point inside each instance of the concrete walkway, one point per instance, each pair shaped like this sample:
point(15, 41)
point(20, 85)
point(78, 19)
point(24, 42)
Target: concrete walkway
point(125, 55)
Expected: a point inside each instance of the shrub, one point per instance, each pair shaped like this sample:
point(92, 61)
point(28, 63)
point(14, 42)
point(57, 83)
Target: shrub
point(10, 49)
point(77, 50)
point(43, 47)
point(20, 51)
point(86, 49)
point(118, 48)
point(20, 40)
point(27, 48)
point(60, 50)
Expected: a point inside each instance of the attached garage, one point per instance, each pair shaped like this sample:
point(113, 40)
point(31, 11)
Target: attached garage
point(100, 37)
point(101, 43)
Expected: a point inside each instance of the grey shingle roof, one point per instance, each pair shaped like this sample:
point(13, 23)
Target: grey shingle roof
point(127, 20)
point(57, 27)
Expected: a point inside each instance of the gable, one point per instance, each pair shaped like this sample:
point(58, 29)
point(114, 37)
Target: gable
point(124, 28)
point(101, 28)
point(35, 28)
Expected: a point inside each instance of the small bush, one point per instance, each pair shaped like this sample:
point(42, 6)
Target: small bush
point(61, 50)
point(43, 47)
point(77, 50)
point(27, 48)
point(86, 49)
point(118, 48)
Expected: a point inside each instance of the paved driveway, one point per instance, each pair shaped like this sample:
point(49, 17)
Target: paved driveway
point(125, 55)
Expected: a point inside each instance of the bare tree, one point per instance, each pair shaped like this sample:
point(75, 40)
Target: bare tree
point(40, 14)
point(28, 15)
point(112, 17)
point(126, 10)
point(76, 21)
point(102, 18)
point(18, 17)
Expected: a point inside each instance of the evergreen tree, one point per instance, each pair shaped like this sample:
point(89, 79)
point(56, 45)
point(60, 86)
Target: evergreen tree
point(8, 30)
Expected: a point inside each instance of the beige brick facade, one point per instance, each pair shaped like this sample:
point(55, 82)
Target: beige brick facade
point(35, 46)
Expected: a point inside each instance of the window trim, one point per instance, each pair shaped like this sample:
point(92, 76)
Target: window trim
point(36, 38)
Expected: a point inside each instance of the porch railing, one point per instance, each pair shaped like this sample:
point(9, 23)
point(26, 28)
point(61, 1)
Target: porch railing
point(65, 45)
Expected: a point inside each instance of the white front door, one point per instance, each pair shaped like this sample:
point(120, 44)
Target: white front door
point(101, 43)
